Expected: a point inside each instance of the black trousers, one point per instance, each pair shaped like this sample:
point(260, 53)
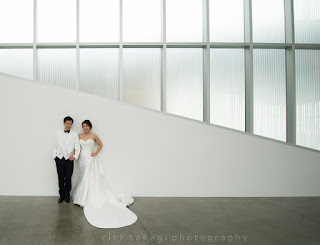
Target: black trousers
point(64, 170)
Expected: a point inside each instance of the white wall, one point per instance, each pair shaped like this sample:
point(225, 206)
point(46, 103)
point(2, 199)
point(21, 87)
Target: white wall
point(146, 152)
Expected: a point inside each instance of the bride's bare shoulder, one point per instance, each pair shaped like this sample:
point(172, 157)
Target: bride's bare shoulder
point(96, 138)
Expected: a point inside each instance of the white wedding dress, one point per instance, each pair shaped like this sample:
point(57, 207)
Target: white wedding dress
point(102, 207)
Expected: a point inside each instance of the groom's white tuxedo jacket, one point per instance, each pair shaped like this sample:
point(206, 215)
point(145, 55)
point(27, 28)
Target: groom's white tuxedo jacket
point(72, 143)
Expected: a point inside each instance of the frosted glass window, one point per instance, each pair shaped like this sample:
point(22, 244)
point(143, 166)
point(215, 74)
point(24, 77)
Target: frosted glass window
point(307, 21)
point(99, 21)
point(56, 20)
point(308, 98)
point(269, 83)
point(17, 62)
point(226, 21)
point(141, 20)
point(268, 21)
point(142, 76)
point(227, 88)
point(16, 21)
point(99, 71)
point(185, 82)
point(57, 67)
point(184, 20)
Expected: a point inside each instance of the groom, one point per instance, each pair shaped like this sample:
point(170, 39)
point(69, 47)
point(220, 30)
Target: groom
point(66, 148)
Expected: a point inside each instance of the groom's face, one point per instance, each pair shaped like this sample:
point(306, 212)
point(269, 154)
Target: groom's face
point(68, 125)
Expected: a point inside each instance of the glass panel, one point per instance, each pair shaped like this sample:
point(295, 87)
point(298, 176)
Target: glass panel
point(56, 20)
point(99, 71)
point(142, 76)
point(16, 21)
point(269, 98)
point(57, 67)
point(227, 88)
point(141, 21)
point(268, 21)
point(226, 23)
point(185, 82)
point(17, 62)
point(308, 98)
point(307, 21)
point(184, 20)
point(99, 21)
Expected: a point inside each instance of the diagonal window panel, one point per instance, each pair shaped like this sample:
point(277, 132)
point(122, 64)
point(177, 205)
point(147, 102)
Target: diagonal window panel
point(185, 82)
point(269, 89)
point(142, 76)
point(227, 88)
point(308, 98)
point(99, 71)
point(57, 67)
point(17, 62)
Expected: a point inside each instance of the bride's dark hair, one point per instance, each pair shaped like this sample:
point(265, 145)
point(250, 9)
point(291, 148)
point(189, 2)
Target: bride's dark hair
point(88, 123)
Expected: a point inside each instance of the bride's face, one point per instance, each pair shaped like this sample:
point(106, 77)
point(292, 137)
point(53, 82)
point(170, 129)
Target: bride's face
point(85, 128)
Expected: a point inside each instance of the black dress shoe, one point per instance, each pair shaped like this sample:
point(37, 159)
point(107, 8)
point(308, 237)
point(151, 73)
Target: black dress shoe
point(60, 200)
point(67, 199)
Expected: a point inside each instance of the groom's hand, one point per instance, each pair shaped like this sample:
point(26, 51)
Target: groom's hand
point(71, 158)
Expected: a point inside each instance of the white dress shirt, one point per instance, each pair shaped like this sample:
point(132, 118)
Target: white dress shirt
point(63, 151)
point(64, 144)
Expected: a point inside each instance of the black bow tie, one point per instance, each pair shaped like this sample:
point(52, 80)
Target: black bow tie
point(67, 131)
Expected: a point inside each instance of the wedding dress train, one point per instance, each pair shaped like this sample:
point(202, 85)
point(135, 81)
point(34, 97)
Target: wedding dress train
point(102, 207)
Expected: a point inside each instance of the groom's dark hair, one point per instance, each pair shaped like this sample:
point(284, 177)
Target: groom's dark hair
point(68, 119)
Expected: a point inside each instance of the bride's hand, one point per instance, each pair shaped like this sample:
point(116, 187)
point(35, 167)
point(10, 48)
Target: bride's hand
point(93, 154)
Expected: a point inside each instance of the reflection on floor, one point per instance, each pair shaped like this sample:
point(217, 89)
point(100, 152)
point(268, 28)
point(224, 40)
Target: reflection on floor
point(166, 220)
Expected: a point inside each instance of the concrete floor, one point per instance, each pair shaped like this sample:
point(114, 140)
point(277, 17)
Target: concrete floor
point(174, 220)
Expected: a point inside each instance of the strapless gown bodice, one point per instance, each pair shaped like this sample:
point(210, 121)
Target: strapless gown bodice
point(102, 207)
point(86, 147)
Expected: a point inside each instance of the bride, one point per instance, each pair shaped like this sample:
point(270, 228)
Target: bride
point(102, 208)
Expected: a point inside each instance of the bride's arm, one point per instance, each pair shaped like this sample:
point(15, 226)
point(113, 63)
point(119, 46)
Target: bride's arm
point(74, 151)
point(96, 138)
point(77, 148)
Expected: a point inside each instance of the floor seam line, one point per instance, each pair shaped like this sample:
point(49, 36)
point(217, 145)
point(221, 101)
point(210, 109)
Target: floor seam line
point(146, 231)
point(272, 204)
